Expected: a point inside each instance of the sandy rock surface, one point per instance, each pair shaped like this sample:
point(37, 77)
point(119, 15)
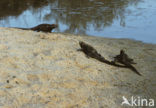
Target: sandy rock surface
point(45, 70)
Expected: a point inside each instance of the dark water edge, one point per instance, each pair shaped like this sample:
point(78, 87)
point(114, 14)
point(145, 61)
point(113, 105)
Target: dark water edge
point(133, 19)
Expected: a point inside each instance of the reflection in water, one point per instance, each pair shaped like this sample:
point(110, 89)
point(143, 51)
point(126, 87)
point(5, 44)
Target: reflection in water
point(74, 16)
point(16, 7)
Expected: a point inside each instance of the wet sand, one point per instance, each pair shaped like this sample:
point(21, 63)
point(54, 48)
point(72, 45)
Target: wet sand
point(45, 70)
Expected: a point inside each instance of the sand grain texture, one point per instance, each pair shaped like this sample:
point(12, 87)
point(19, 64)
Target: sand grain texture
point(45, 70)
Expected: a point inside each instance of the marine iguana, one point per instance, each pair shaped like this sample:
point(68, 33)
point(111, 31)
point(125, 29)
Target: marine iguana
point(91, 52)
point(124, 59)
point(42, 27)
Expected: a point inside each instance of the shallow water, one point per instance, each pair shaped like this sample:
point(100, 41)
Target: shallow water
point(134, 19)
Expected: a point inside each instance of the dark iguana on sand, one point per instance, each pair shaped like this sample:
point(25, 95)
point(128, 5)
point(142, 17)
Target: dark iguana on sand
point(91, 52)
point(124, 59)
point(42, 27)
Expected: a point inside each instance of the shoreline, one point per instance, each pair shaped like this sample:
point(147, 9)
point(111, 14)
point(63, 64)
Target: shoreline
point(45, 69)
point(85, 35)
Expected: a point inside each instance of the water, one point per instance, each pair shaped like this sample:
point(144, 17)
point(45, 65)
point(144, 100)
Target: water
point(134, 19)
